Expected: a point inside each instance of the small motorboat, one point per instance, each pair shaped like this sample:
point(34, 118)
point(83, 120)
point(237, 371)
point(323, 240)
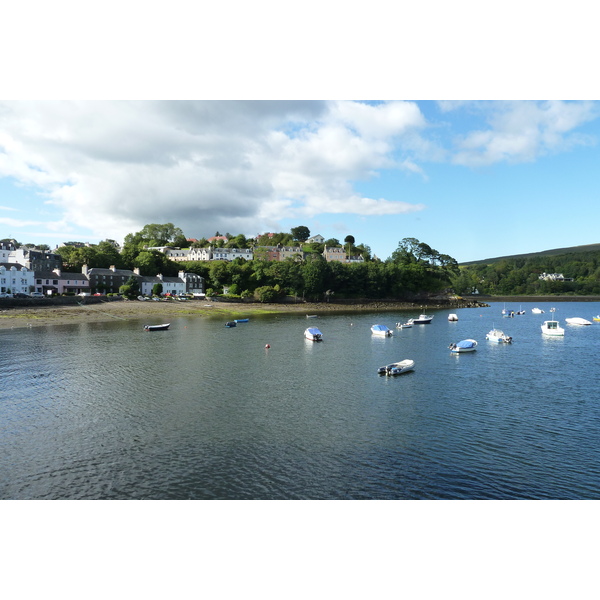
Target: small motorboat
point(406, 325)
point(311, 316)
point(577, 321)
point(397, 368)
point(537, 311)
point(422, 319)
point(230, 324)
point(381, 330)
point(553, 309)
point(464, 346)
point(520, 311)
point(596, 318)
point(161, 327)
point(497, 335)
point(313, 334)
point(509, 314)
point(552, 328)
point(452, 317)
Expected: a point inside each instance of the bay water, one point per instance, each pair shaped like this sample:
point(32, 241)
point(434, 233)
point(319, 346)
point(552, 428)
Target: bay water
point(201, 411)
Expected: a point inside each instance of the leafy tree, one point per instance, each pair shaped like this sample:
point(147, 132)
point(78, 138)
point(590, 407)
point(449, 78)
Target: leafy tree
point(157, 289)
point(332, 243)
point(300, 233)
point(266, 293)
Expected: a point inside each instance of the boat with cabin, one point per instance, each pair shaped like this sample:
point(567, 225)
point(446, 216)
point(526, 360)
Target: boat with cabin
point(422, 319)
point(552, 328)
point(452, 317)
point(497, 335)
point(537, 311)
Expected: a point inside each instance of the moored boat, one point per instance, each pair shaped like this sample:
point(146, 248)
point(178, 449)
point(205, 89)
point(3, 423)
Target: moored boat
point(230, 324)
point(381, 330)
point(422, 319)
point(160, 327)
point(452, 317)
point(397, 368)
point(242, 320)
point(464, 346)
point(552, 328)
point(404, 325)
point(537, 311)
point(313, 334)
point(577, 321)
point(596, 318)
point(497, 335)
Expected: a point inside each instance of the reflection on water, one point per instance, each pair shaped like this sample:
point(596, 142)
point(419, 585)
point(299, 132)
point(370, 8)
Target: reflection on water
point(201, 411)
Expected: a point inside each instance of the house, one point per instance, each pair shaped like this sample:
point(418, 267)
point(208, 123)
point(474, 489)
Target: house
point(294, 252)
point(336, 254)
point(15, 278)
point(317, 239)
point(184, 283)
point(35, 260)
point(108, 280)
point(57, 282)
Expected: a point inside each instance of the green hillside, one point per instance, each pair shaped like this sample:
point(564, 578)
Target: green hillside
point(554, 252)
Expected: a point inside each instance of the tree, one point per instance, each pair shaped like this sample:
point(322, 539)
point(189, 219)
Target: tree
point(157, 289)
point(300, 233)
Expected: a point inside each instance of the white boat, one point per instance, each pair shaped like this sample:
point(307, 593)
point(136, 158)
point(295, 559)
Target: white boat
point(381, 330)
point(537, 311)
point(452, 317)
point(520, 311)
point(464, 346)
point(313, 334)
point(397, 368)
point(497, 335)
point(408, 324)
point(552, 310)
point(577, 321)
point(552, 328)
point(161, 327)
point(422, 319)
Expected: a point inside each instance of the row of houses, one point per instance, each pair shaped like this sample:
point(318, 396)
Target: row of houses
point(16, 278)
point(269, 253)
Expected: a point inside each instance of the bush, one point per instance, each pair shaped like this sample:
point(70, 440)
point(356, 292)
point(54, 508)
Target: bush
point(266, 293)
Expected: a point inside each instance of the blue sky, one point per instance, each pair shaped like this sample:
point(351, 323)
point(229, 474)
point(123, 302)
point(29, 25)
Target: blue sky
point(471, 179)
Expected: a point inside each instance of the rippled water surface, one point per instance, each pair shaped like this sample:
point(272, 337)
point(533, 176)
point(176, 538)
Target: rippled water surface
point(108, 411)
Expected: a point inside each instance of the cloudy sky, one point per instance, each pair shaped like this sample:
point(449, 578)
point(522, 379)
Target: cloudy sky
point(472, 179)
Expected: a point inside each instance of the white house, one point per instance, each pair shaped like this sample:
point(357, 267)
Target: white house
point(318, 239)
point(15, 278)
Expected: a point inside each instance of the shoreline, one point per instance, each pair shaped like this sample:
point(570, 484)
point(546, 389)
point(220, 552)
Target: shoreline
point(39, 316)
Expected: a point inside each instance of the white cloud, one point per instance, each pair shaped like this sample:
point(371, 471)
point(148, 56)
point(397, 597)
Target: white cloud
point(522, 131)
point(115, 166)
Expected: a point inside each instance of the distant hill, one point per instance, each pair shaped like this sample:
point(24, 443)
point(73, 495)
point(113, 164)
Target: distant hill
point(555, 252)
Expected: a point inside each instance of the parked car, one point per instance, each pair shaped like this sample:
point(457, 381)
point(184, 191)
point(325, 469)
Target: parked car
point(5, 295)
point(36, 295)
point(20, 295)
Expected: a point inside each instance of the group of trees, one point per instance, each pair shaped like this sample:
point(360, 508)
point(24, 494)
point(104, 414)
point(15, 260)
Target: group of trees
point(413, 268)
point(521, 276)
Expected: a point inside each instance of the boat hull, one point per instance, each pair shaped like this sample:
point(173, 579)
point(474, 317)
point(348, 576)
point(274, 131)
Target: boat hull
point(162, 327)
point(397, 368)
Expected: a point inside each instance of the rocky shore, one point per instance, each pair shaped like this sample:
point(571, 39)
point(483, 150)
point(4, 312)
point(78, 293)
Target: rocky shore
point(35, 316)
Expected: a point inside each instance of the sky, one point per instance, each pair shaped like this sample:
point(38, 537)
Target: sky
point(473, 179)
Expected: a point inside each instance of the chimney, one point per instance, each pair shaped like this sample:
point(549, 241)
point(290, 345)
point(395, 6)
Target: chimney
point(84, 269)
point(58, 271)
point(113, 268)
point(136, 270)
